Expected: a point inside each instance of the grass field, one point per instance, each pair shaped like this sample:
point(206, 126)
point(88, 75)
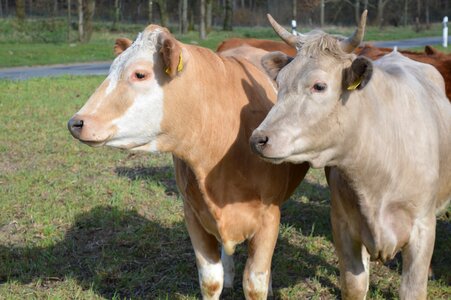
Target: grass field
point(19, 49)
point(84, 223)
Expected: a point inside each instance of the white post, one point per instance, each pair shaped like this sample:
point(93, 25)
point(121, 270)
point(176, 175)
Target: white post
point(445, 32)
point(293, 26)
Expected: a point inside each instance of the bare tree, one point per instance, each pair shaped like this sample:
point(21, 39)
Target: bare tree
point(406, 12)
point(163, 12)
point(209, 16)
point(294, 9)
point(202, 30)
point(117, 13)
point(88, 15)
point(184, 16)
point(357, 11)
point(321, 17)
point(150, 11)
point(20, 10)
point(81, 33)
point(228, 15)
point(68, 20)
point(380, 12)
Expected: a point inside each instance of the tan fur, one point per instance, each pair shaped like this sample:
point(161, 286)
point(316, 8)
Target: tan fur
point(210, 109)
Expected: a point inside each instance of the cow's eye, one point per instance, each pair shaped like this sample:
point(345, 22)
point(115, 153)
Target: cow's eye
point(140, 75)
point(319, 87)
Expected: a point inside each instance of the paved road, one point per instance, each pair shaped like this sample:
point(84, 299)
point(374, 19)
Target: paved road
point(101, 68)
point(21, 73)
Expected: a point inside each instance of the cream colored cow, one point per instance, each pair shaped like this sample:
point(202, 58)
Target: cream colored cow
point(384, 128)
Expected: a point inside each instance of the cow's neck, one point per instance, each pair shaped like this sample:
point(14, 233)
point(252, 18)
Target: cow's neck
point(206, 106)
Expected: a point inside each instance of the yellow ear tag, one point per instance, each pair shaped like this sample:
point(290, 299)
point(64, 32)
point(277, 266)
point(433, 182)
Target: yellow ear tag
point(179, 66)
point(355, 84)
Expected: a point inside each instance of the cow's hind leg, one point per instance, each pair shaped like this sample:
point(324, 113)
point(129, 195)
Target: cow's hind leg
point(206, 249)
point(416, 258)
point(257, 273)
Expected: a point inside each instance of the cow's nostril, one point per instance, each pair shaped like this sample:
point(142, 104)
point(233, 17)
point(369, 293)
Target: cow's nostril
point(75, 125)
point(258, 142)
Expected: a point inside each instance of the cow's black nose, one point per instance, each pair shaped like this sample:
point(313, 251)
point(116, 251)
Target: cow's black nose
point(75, 125)
point(258, 142)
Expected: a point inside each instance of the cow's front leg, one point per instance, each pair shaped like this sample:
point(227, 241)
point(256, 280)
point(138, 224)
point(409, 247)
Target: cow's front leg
point(257, 273)
point(229, 269)
point(353, 261)
point(209, 266)
point(416, 259)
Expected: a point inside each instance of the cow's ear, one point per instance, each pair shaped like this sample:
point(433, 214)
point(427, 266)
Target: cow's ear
point(121, 44)
point(430, 50)
point(358, 74)
point(171, 52)
point(274, 62)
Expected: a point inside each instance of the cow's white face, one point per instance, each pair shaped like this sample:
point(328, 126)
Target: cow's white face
point(306, 122)
point(304, 119)
point(126, 111)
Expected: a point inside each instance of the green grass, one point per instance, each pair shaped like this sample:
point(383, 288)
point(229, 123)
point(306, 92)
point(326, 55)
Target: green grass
point(32, 47)
point(84, 223)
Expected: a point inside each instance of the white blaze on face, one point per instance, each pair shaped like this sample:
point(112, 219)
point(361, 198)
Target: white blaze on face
point(139, 126)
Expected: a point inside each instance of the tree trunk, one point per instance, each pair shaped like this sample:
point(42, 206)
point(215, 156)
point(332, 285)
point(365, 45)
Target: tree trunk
point(88, 15)
point(81, 33)
point(68, 20)
point(1, 9)
point(380, 12)
point(184, 16)
point(117, 14)
point(294, 10)
point(163, 12)
point(228, 15)
point(55, 8)
point(365, 4)
point(418, 12)
point(406, 12)
point(20, 10)
point(149, 15)
point(202, 30)
point(321, 17)
point(426, 12)
point(209, 17)
point(357, 11)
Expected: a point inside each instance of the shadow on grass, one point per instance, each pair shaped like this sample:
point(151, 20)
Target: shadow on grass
point(163, 175)
point(118, 253)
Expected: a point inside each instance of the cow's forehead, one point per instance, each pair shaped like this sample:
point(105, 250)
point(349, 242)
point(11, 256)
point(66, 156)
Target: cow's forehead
point(145, 43)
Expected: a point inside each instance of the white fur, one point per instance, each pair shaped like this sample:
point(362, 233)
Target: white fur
point(210, 274)
point(259, 281)
point(140, 125)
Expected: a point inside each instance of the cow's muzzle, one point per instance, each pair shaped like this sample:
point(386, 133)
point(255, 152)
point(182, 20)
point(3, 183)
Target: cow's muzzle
point(75, 126)
point(258, 142)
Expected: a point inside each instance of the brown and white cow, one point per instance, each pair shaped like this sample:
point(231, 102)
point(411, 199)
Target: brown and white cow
point(384, 131)
point(165, 96)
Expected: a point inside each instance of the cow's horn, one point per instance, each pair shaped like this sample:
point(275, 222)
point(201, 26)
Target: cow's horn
point(348, 45)
point(287, 37)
